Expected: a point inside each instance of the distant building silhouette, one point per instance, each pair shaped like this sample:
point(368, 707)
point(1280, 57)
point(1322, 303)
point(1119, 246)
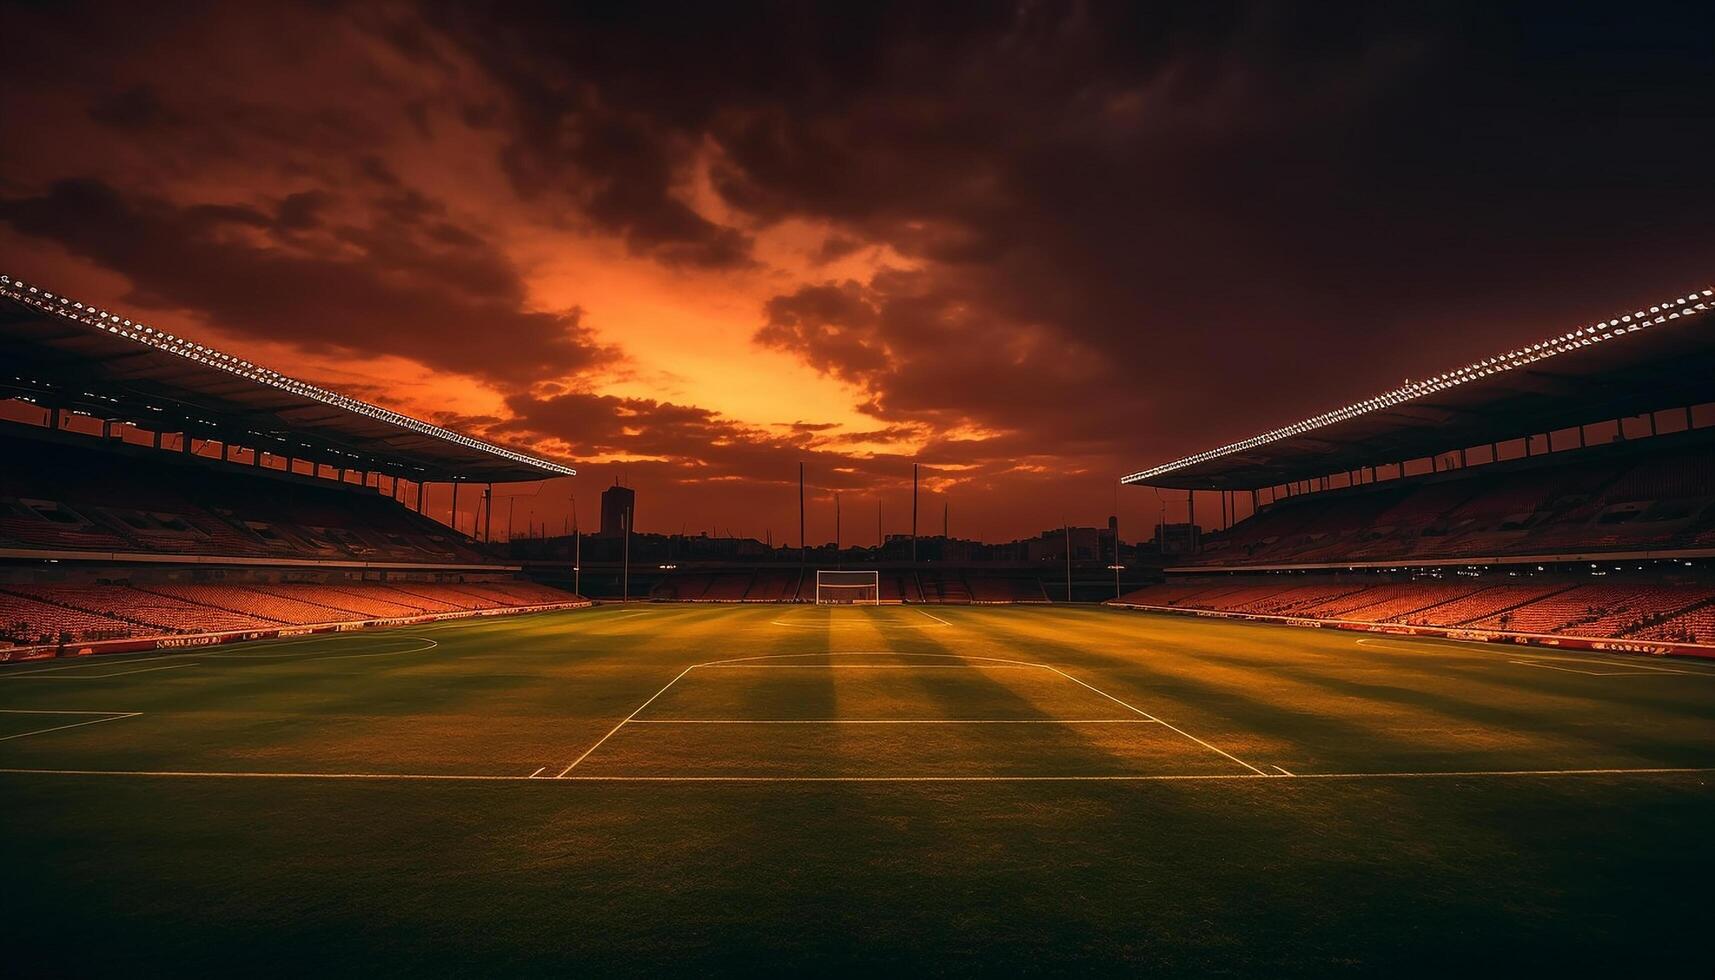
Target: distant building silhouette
point(618, 505)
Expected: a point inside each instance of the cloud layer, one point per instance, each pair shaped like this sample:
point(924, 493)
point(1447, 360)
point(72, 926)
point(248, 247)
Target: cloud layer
point(1033, 246)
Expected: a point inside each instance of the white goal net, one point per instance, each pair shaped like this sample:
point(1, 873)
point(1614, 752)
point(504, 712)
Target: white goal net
point(848, 588)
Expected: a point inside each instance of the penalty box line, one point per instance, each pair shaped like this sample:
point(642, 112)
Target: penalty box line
point(927, 778)
point(974, 660)
point(895, 721)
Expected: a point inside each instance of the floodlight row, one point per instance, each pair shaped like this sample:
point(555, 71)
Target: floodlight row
point(141, 333)
point(1692, 304)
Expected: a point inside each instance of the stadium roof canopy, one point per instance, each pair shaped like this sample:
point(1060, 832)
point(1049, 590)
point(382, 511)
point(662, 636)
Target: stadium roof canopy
point(1655, 358)
point(63, 354)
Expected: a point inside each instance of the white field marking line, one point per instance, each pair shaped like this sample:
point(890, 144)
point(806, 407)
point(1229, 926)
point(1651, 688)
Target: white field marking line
point(1431, 643)
point(634, 713)
point(301, 657)
point(432, 644)
point(111, 716)
point(115, 673)
point(896, 721)
point(93, 661)
point(878, 624)
point(866, 666)
point(1622, 665)
point(1426, 644)
point(1587, 673)
point(993, 660)
point(932, 616)
point(1283, 772)
point(538, 773)
point(1146, 714)
point(1118, 778)
point(205, 653)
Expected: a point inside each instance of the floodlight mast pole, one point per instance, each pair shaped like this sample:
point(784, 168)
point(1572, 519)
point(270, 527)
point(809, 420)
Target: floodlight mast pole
point(913, 512)
point(1068, 563)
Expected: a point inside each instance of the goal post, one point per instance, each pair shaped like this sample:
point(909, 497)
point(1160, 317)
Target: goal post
point(835, 588)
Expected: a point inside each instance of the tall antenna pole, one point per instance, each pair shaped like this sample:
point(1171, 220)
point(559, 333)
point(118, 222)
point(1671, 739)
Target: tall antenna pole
point(913, 511)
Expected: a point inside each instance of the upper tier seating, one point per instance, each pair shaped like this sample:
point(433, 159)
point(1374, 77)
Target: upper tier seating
point(84, 498)
point(1608, 501)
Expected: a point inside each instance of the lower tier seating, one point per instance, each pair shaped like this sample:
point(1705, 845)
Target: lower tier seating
point(1685, 613)
point(83, 613)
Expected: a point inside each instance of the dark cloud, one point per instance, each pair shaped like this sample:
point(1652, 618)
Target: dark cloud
point(698, 444)
point(135, 108)
point(445, 298)
point(1194, 202)
point(929, 351)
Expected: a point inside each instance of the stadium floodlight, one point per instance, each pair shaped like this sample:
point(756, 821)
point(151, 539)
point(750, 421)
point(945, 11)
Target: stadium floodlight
point(1695, 303)
point(848, 588)
point(37, 298)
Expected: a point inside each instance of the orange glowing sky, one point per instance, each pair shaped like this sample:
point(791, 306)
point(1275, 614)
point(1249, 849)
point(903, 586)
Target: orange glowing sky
point(1030, 248)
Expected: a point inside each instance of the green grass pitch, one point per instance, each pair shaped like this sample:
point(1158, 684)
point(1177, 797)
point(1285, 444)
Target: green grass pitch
point(778, 789)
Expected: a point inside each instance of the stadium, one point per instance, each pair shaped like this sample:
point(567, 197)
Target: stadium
point(244, 607)
point(786, 489)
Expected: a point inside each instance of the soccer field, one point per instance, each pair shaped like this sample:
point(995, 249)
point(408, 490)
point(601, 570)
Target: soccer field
point(774, 788)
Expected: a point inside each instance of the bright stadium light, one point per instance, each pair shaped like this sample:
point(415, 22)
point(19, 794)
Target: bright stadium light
point(1692, 304)
point(112, 323)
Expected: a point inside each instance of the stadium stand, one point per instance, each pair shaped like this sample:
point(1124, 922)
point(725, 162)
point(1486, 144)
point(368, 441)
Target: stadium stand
point(24, 620)
point(995, 588)
point(1692, 626)
point(943, 585)
point(1563, 489)
point(87, 499)
point(1611, 505)
point(155, 488)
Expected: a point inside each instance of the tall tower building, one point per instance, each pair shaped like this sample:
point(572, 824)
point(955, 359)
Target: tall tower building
point(617, 503)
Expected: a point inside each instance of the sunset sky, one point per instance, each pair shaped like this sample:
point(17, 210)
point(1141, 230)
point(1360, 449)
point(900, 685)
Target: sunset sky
point(1031, 246)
